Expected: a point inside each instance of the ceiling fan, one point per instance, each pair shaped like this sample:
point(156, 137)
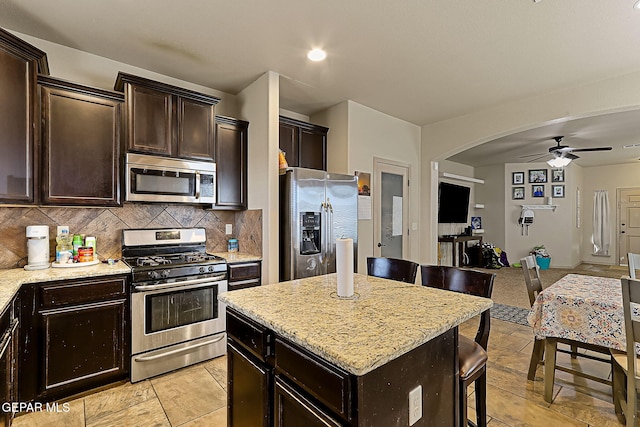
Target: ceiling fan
point(563, 154)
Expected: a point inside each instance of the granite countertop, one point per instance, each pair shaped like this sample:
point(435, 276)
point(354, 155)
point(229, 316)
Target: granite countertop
point(385, 320)
point(12, 279)
point(232, 257)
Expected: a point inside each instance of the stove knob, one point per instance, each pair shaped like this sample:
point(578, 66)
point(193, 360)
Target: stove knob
point(211, 268)
point(165, 274)
point(153, 274)
point(202, 270)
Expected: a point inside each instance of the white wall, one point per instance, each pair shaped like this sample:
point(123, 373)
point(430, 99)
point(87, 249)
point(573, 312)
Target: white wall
point(610, 178)
point(260, 106)
point(443, 139)
point(375, 134)
point(491, 195)
point(336, 118)
point(92, 70)
point(556, 230)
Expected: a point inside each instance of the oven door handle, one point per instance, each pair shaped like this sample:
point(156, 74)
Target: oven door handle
point(178, 350)
point(183, 284)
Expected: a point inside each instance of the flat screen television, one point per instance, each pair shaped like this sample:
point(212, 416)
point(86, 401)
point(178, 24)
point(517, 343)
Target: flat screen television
point(453, 203)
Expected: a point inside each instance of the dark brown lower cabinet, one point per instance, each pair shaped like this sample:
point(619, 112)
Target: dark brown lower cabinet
point(306, 390)
point(76, 337)
point(8, 366)
point(244, 274)
point(293, 409)
point(249, 388)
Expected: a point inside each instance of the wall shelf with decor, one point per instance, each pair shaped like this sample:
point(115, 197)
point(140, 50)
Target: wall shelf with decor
point(461, 177)
point(545, 207)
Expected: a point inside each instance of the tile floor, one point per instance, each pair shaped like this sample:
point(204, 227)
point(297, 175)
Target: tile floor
point(195, 396)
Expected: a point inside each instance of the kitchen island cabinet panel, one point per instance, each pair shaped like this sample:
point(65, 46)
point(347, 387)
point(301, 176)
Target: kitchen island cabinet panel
point(19, 129)
point(249, 388)
point(75, 336)
point(354, 362)
point(293, 409)
point(81, 144)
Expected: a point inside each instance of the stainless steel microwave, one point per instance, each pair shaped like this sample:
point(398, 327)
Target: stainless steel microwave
point(169, 180)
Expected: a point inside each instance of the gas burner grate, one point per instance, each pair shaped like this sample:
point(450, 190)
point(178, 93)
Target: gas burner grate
point(152, 261)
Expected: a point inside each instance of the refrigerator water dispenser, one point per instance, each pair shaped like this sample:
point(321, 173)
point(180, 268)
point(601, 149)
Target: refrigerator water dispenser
point(310, 233)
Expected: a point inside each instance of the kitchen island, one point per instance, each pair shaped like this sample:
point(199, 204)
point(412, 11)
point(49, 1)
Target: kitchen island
point(299, 355)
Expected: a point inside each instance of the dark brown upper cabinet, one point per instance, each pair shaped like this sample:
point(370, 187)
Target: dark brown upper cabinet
point(19, 131)
point(304, 144)
point(81, 144)
point(167, 120)
point(231, 163)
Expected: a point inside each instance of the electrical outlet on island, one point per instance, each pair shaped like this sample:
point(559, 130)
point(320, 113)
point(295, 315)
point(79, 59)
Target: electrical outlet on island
point(415, 405)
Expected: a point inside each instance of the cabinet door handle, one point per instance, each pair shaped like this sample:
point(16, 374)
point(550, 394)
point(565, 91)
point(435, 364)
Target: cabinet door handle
point(380, 245)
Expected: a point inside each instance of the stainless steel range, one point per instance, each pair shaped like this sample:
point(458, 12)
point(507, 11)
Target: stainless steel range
point(176, 319)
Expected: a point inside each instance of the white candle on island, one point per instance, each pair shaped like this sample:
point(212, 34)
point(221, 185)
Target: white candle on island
point(344, 267)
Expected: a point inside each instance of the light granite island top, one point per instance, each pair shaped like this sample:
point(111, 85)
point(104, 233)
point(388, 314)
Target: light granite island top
point(385, 320)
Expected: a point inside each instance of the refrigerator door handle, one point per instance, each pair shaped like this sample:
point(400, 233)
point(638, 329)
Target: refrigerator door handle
point(330, 240)
point(323, 226)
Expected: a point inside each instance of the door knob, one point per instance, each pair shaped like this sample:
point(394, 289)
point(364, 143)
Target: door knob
point(380, 244)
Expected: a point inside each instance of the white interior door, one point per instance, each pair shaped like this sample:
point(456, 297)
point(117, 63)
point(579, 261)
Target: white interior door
point(391, 209)
point(628, 223)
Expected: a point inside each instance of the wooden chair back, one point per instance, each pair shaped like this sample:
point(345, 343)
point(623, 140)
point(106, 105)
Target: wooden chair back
point(465, 281)
point(401, 270)
point(531, 277)
point(630, 297)
point(633, 260)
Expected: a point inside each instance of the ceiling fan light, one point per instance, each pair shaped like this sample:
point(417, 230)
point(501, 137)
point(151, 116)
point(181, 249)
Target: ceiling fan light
point(558, 162)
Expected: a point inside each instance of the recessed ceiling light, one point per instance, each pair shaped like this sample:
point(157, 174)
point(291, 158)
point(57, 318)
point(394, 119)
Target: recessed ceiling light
point(317, 55)
point(637, 5)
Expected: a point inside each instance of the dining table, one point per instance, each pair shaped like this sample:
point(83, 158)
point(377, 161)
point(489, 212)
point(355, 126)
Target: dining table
point(581, 309)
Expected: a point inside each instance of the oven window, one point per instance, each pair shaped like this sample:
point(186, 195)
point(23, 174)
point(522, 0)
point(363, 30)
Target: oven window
point(180, 308)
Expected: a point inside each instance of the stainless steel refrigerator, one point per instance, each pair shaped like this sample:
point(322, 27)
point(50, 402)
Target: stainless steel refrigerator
point(316, 208)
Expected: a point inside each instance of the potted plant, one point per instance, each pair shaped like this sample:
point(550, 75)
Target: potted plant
point(543, 259)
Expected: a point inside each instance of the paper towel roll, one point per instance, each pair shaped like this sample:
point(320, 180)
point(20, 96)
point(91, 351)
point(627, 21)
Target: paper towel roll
point(344, 267)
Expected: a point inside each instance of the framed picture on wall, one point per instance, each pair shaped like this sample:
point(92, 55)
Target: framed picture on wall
point(537, 190)
point(517, 178)
point(557, 175)
point(537, 175)
point(557, 190)
point(517, 193)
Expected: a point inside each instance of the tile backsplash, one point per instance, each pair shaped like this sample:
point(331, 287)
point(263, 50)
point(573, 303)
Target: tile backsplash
point(106, 224)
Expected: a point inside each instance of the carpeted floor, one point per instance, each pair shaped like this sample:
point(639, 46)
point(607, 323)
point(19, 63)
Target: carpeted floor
point(509, 287)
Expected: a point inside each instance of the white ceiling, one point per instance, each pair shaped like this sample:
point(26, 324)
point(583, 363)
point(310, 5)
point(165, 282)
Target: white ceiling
point(419, 60)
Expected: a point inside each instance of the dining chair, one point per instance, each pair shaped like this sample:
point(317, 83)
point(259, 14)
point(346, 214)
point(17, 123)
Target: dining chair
point(534, 287)
point(401, 270)
point(626, 365)
point(633, 261)
point(472, 354)
point(533, 282)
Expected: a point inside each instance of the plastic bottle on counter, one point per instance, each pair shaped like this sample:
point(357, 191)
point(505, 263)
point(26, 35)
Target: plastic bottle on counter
point(232, 245)
point(91, 242)
point(64, 248)
point(77, 242)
